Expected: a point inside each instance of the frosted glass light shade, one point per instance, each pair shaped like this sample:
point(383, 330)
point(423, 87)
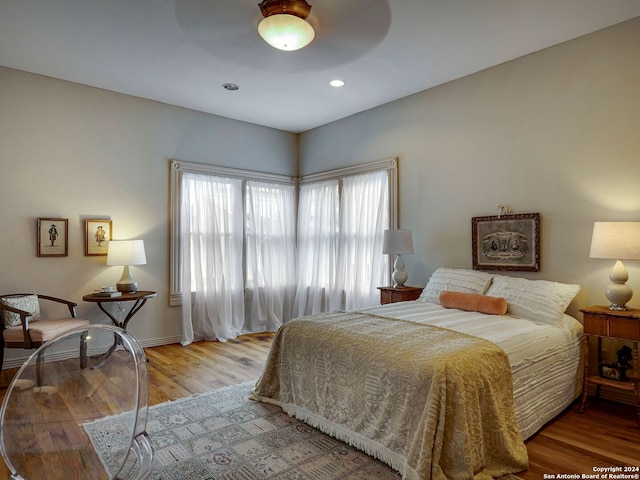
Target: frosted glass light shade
point(619, 241)
point(125, 253)
point(286, 32)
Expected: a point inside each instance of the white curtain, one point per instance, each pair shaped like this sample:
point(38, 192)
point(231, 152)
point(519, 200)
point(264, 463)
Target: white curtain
point(340, 231)
point(364, 215)
point(318, 222)
point(270, 255)
point(211, 237)
point(242, 268)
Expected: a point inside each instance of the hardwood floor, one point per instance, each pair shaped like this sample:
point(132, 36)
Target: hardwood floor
point(605, 435)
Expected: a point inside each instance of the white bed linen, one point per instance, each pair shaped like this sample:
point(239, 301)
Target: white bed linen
point(545, 360)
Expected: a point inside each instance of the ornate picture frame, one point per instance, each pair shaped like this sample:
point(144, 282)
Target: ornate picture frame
point(506, 242)
point(97, 235)
point(53, 237)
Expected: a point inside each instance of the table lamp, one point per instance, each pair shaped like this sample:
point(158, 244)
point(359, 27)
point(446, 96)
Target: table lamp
point(126, 253)
point(398, 242)
point(619, 241)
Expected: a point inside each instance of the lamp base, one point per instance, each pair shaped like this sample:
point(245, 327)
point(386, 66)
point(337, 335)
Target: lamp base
point(127, 283)
point(127, 287)
point(618, 293)
point(618, 308)
point(399, 276)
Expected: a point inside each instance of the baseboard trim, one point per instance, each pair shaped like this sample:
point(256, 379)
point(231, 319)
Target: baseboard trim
point(154, 342)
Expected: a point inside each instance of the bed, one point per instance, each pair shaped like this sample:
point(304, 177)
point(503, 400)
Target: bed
point(434, 391)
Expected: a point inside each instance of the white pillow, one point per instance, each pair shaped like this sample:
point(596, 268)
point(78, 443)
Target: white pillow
point(538, 300)
point(455, 280)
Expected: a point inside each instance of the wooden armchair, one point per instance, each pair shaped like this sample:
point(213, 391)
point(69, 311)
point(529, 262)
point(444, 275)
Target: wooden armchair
point(23, 327)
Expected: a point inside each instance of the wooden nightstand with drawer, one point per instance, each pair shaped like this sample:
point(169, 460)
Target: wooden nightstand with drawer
point(399, 294)
point(601, 322)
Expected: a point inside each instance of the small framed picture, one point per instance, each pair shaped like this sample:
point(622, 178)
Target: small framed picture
point(507, 242)
point(98, 233)
point(53, 237)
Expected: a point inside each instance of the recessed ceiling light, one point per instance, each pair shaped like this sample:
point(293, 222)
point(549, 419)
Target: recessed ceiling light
point(336, 83)
point(230, 86)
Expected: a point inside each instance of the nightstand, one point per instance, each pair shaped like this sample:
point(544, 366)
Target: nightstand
point(601, 322)
point(399, 294)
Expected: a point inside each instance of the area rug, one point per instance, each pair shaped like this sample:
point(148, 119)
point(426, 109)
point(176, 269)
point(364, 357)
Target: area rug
point(223, 435)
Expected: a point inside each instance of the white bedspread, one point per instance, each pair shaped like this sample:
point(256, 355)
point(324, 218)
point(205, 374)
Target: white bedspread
point(546, 360)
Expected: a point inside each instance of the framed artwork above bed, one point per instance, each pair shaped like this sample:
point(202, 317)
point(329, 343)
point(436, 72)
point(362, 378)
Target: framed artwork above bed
point(506, 242)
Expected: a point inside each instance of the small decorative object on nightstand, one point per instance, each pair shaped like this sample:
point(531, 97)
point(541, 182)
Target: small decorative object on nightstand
point(399, 294)
point(618, 370)
point(624, 325)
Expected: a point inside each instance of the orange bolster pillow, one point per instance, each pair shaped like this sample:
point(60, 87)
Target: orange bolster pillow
point(472, 302)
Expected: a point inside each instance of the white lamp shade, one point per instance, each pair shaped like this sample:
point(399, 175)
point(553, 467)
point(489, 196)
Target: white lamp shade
point(286, 32)
point(397, 241)
point(620, 241)
point(617, 240)
point(126, 252)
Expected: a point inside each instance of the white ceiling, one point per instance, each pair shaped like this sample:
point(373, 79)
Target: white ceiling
point(180, 52)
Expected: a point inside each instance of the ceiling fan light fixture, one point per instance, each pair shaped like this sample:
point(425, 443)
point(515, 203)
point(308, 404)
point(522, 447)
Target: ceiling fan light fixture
point(284, 26)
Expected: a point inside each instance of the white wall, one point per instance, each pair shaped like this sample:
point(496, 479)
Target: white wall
point(556, 132)
point(75, 152)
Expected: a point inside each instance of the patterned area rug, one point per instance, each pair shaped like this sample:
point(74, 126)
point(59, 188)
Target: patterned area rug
point(224, 435)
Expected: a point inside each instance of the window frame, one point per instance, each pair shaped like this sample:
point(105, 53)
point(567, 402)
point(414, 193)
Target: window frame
point(178, 167)
point(389, 164)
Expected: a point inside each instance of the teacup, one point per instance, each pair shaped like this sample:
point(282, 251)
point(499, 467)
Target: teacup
point(107, 289)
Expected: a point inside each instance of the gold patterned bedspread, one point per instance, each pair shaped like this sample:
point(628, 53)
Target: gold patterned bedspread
point(429, 402)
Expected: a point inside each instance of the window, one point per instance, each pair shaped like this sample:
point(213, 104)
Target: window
point(270, 254)
point(235, 235)
point(181, 169)
point(212, 218)
point(340, 231)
